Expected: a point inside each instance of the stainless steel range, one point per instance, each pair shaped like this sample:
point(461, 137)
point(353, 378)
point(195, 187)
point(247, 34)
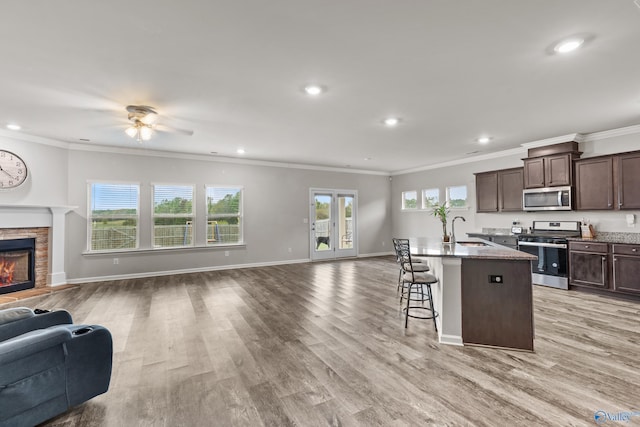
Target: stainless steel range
point(548, 241)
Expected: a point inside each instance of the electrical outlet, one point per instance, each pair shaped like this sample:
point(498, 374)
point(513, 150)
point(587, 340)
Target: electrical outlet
point(116, 261)
point(290, 250)
point(226, 253)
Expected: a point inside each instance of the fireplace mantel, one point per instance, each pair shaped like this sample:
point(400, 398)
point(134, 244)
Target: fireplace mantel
point(26, 216)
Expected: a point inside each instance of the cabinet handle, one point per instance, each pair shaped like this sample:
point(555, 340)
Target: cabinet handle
point(634, 250)
point(586, 246)
point(604, 259)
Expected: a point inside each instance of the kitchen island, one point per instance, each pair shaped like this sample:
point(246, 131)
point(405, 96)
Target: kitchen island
point(483, 296)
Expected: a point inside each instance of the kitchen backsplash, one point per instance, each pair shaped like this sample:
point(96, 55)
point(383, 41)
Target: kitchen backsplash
point(603, 236)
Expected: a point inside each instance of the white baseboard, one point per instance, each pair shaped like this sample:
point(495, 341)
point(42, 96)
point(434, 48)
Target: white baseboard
point(374, 254)
point(184, 271)
point(451, 340)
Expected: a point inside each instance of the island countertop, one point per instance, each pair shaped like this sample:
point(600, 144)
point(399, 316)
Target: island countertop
point(483, 295)
point(425, 246)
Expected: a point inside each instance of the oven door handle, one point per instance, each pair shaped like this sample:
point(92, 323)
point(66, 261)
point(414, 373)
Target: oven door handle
point(543, 245)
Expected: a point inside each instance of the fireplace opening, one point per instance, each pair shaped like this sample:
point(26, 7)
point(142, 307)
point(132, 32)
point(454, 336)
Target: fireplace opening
point(17, 265)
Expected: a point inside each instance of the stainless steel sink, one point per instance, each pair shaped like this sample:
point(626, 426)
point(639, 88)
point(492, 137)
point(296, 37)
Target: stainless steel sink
point(471, 244)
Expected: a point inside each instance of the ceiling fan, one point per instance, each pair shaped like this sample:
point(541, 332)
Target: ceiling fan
point(143, 123)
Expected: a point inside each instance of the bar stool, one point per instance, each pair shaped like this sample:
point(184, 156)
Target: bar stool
point(421, 280)
point(417, 266)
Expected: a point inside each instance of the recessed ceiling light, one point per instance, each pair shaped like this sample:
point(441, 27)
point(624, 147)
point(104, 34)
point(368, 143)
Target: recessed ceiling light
point(568, 45)
point(240, 151)
point(13, 126)
point(313, 90)
point(391, 121)
point(366, 159)
point(484, 139)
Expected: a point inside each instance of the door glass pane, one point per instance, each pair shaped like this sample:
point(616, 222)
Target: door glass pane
point(345, 221)
point(323, 222)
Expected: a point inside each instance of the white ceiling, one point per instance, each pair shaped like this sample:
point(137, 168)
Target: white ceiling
point(233, 72)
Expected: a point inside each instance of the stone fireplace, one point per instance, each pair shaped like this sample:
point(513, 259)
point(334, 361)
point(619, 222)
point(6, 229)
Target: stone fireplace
point(44, 227)
point(17, 264)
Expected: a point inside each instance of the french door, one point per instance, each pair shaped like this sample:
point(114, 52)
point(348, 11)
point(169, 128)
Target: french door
point(333, 231)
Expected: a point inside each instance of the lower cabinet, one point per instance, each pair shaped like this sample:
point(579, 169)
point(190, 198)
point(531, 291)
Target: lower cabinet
point(626, 268)
point(614, 267)
point(588, 264)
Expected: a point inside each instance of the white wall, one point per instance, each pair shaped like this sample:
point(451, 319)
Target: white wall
point(276, 200)
point(46, 183)
point(421, 223)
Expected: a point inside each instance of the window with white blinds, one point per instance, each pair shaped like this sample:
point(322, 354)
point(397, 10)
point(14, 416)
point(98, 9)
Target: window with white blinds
point(114, 216)
point(224, 215)
point(173, 214)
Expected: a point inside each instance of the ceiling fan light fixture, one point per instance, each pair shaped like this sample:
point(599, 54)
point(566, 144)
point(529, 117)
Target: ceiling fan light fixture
point(150, 118)
point(132, 131)
point(145, 133)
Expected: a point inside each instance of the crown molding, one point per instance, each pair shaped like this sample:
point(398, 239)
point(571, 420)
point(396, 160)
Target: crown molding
point(606, 134)
point(577, 137)
point(218, 159)
point(19, 136)
point(488, 156)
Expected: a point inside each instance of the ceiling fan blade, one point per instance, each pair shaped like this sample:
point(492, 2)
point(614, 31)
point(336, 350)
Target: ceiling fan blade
point(163, 128)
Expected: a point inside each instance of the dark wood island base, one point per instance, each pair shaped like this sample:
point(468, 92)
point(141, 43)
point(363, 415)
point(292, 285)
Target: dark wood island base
point(497, 303)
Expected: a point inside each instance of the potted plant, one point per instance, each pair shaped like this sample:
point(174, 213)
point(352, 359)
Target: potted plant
point(441, 211)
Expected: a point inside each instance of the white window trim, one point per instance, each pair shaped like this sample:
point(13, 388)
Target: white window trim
point(90, 216)
point(456, 208)
point(402, 206)
point(240, 213)
point(193, 215)
point(423, 201)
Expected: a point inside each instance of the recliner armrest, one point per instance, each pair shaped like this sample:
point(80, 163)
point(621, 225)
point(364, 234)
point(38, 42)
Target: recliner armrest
point(38, 321)
point(32, 342)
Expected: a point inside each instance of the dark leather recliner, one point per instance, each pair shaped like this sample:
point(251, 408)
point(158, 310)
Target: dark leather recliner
point(48, 365)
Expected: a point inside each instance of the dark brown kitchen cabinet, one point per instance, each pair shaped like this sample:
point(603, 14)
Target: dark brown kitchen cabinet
point(499, 191)
point(628, 176)
point(626, 268)
point(608, 182)
point(588, 264)
point(548, 171)
point(594, 183)
point(510, 185)
point(487, 192)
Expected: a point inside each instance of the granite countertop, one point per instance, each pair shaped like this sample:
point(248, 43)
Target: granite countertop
point(493, 234)
point(425, 246)
point(626, 238)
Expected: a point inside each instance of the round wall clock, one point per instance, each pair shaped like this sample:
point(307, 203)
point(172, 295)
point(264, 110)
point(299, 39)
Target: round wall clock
point(13, 170)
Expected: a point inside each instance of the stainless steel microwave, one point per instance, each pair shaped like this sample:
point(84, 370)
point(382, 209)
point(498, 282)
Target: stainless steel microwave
point(547, 199)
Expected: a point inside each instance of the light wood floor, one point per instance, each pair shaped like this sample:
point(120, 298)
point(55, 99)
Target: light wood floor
point(324, 344)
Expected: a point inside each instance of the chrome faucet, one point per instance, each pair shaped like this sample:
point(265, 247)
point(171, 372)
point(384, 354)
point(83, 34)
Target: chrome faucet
point(453, 228)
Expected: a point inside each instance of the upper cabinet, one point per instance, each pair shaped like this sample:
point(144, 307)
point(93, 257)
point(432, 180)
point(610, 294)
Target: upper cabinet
point(594, 183)
point(608, 182)
point(487, 191)
point(550, 166)
point(510, 185)
point(628, 178)
point(499, 191)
